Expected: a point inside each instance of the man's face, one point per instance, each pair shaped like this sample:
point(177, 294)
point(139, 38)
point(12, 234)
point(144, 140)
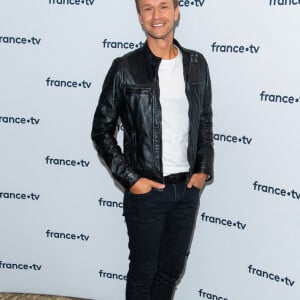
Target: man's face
point(158, 17)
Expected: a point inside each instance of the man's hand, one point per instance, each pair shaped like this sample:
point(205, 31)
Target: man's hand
point(145, 185)
point(197, 180)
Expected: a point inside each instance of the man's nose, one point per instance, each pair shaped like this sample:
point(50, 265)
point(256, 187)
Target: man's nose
point(156, 13)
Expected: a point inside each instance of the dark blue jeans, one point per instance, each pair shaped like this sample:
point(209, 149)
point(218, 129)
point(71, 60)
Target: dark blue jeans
point(160, 225)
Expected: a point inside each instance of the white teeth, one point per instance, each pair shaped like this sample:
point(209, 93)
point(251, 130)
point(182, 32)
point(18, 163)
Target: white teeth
point(157, 25)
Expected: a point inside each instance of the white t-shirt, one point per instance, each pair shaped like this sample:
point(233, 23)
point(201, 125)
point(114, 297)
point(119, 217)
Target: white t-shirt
point(175, 121)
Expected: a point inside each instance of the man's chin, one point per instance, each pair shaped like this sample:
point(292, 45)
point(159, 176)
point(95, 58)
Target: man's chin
point(160, 36)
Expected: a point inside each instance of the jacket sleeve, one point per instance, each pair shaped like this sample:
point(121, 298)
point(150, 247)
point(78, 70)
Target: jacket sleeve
point(104, 127)
point(205, 150)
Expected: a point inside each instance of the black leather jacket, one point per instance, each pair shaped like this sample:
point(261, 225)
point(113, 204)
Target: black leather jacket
point(131, 92)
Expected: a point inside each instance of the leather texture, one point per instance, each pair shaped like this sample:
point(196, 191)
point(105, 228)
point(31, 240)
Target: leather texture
point(130, 93)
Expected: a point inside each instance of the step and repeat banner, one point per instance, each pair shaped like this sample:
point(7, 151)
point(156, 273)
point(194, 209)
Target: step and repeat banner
point(61, 227)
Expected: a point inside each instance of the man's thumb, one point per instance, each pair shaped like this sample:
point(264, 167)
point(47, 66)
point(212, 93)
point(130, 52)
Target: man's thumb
point(157, 185)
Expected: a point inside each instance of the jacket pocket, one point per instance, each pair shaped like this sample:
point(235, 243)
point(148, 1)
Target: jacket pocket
point(137, 90)
point(130, 148)
point(138, 103)
point(198, 82)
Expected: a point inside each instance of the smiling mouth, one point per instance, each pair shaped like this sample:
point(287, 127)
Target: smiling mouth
point(157, 25)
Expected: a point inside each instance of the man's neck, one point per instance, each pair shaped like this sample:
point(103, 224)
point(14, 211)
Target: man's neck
point(163, 48)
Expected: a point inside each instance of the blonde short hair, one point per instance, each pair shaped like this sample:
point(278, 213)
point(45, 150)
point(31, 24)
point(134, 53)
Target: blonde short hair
point(175, 2)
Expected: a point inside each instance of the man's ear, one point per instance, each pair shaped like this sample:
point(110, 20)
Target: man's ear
point(140, 19)
point(177, 13)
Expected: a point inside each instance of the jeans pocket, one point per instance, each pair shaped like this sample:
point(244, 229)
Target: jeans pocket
point(141, 196)
point(196, 188)
point(138, 205)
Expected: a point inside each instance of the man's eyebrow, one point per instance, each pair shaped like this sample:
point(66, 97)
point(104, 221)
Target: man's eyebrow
point(149, 4)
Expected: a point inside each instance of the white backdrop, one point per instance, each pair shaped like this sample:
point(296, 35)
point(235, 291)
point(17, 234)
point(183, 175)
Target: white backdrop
point(61, 227)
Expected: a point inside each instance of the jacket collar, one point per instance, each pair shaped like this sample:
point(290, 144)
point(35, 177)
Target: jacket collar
point(187, 57)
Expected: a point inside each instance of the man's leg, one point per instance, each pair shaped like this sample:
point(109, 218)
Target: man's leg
point(145, 219)
point(176, 238)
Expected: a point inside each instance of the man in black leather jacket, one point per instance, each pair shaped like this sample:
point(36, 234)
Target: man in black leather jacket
point(162, 94)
